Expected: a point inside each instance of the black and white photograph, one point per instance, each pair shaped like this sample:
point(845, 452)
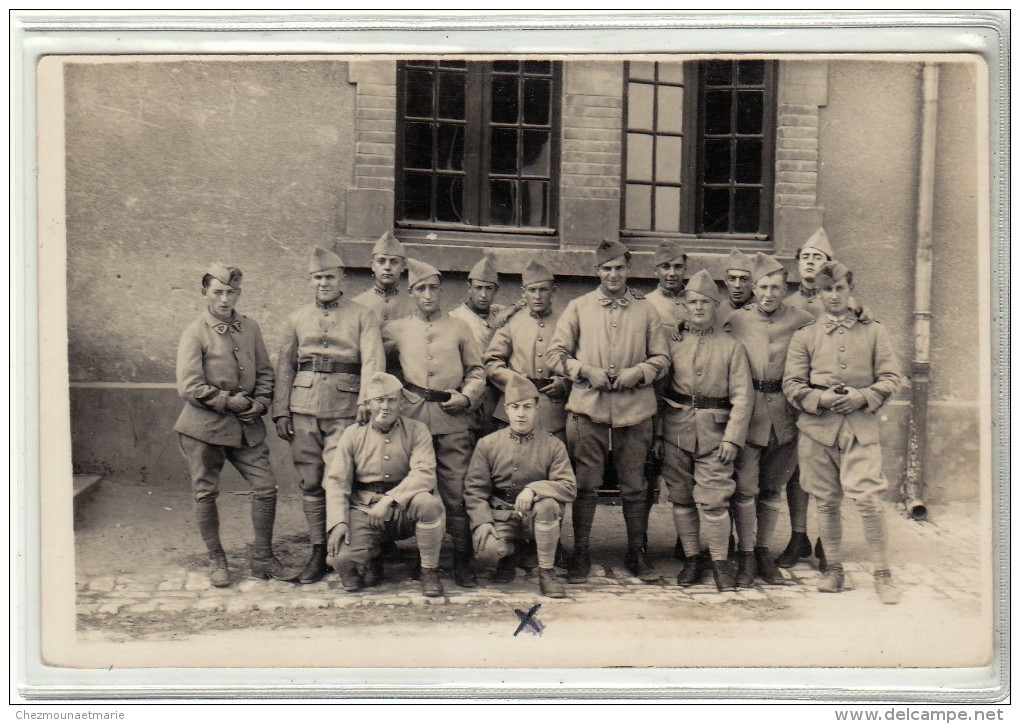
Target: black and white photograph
point(523, 361)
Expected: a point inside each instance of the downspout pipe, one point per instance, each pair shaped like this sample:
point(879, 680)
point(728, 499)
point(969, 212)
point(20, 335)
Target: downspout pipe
point(914, 476)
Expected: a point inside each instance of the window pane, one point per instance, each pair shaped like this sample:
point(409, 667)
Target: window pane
point(671, 109)
point(671, 73)
point(503, 151)
point(536, 101)
point(719, 72)
point(717, 112)
point(639, 207)
point(641, 70)
point(417, 196)
point(534, 206)
point(748, 162)
point(717, 162)
point(535, 161)
point(418, 94)
point(751, 72)
point(502, 203)
point(543, 67)
point(716, 210)
point(639, 106)
point(667, 209)
point(451, 147)
point(749, 111)
point(451, 95)
point(453, 64)
point(449, 198)
point(746, 211)
point(639, 157)
point(505, 66)
point(667, 159)
point(418, 145)
point(504, 99)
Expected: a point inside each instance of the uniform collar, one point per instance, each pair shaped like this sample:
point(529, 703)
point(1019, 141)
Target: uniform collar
point(386, 293)
point(699, 332)
point(845, 320)
point(768, 315)
point(521, 439)
point(671, 295)
point(622, 301)
point(809, 293)
point(434, 318)
point(547, 314)
point(329, 305)
point(396, 425)
point(222, 325)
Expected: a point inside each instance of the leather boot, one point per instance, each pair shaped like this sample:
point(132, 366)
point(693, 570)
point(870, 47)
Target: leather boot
point(269, 566)
point(768, 571)
point(350, 578)
point(431, 586)
point(833, 579)
point(722, 572)
point(463, 558)
point(550, 583)
point(580, 563)
point(263, 563)
point(693, 571)
point(639, 565)
point(820, 555)
point(219, 573)
point(746, 569)
point(373, 572)
point(463, 570)
point(583, 509)
point(414, 569)
point(886, 589)
point(528, 557)
point(315, 569)
point(506, 569)
point(798, 547)
point(636, 519)
point(678, 551)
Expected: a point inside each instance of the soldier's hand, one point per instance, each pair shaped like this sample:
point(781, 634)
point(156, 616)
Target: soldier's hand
point(337, 537)
point(852, 401)
point(525, 499)
point(363, 414)
point(284, 429)
point(598, 377)
point(558, 389)
point(829, 398)
point(238, 402)
point(728, 452)
point(380, 512)
point(629, 379)
point(256, 411)
point(458, 402)
point(481, 535)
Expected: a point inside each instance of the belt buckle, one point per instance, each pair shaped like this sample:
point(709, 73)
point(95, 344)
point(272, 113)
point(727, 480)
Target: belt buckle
point(696, 401)
point(317, 364)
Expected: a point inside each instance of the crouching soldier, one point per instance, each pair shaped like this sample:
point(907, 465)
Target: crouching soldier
point(517, 485)
point(381, 483)
point(840, 369)
point(703, 425)
point(225, 377)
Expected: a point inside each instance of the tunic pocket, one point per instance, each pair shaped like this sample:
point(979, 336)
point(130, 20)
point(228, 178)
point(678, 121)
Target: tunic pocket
point(303, 379)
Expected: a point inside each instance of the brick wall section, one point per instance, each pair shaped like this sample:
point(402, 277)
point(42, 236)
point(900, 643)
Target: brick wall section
point(370, 198)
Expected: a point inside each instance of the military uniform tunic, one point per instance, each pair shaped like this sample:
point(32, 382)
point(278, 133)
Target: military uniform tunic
point(669, 306)
point(386, 304)
point(806, 300)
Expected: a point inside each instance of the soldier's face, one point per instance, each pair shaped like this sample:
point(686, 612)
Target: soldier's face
point(385, 410)
point(539, 296)
point(387, 270)
point(613, 275)
point(700, 309)
point(326, 284)
point(481, 294)
point(770, 291)
point(522, 415)
point(671, 275)
point(835, 295)
point(738, 282)
point(222, 298)
point(427, 294)
point(809, 263)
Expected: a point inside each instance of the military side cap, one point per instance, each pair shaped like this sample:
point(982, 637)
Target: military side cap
point(609, 250)
point(819, 240)
point(229, 275)
point(382, 384)
point(484, 271)
point(322, 259)
point(835, 270)
point(739, 260)
point(388, 245)
point(419, 270)
point(518, 388)
point(765, 265)
point(668, 251)
point(702, 283)
point(536, 272)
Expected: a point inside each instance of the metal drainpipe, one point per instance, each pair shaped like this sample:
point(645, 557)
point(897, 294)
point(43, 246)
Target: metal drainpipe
point(914, 477)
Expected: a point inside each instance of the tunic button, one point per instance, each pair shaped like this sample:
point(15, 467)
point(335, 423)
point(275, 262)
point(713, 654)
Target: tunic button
point(430, 357)
point(539, 339)
point(325, 344)
point(768, 399)
point(538, 354)
point(515, 470)
point(842, 367)
point(429, 374)
point(842, 349)
point(539, 369)
point(237, 349)
point(841, 331)
point(614, 324)
point(241, 368)
point(385, 457)
point(386, 440)
point(699, 374)
point(612, 367)
point(541, 324)
point(386, 476)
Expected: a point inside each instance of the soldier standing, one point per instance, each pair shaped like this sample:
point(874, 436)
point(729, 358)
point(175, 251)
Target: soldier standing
point(668, 298)
point(384, 298)
point(331, 348)
point(225, 377)
point(444, 377)
point(766, 463)
point(739, 287)
point(517, 485)
point(381, 482)
point(840, 370)
point(610, 344)
point(704, 425)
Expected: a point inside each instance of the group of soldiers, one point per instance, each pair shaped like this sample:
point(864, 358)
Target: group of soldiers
point(484, 423)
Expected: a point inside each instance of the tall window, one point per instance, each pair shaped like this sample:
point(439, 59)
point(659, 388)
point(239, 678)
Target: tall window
point(477, 145)
point(699, 149)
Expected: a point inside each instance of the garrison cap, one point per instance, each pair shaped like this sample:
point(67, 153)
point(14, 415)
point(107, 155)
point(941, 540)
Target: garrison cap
point(834, 270)
point(322, 259)
point(229, 275)
point(382, 384)
point(389, 245)
point(740, 261)
point(518, 388)
point(419, 270)
point(668, 251)
point(536, 272)
point(484, 271)
point(819, 240)
point(702, 283)
point(765, 265)
point(609, 250)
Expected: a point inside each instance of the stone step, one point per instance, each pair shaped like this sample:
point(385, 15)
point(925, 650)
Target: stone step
point(84, 487)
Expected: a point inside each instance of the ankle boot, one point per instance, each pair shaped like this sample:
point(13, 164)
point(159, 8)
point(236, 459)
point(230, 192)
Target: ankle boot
point(746, 569)
point(832, 580)
point(315, 568)
point(528, 556)
point(219, 573)
point(722, 572)
point(580, 564)
point(636, 519)
point(820, 555)
point(506, 569)
point(463, 570)
point(431, 586)
point(886, 589)
point(693, 571)
point(798, 547)
point(639, 565)
point(350, 578)
point(265, 565)
point(550, 584)
point(373, 572)
point(768, 571)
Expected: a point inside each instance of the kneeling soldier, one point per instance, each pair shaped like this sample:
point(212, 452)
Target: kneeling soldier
point(703, 425)
point(840, 370)
point(381, 481)
point(517, 485)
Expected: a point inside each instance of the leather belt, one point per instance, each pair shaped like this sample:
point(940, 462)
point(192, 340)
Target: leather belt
point(327, 365)
point(699, 402)
point(507, 495)
point(380, 488)
point(426, 394)
point(772, 386)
